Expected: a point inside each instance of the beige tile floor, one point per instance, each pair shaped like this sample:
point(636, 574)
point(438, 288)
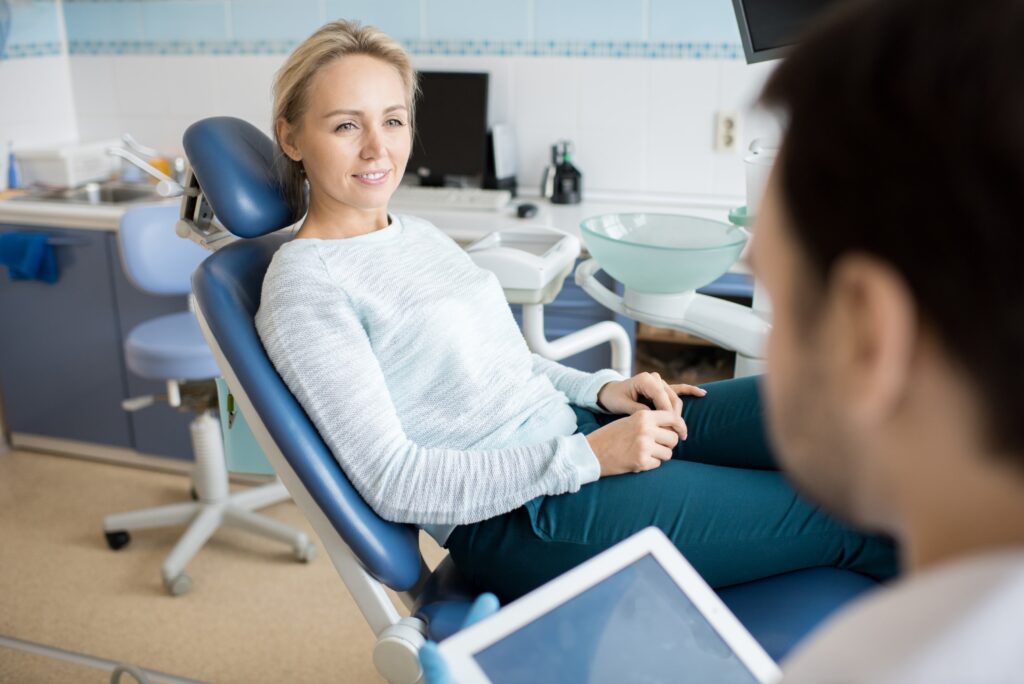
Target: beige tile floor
point(253, 615)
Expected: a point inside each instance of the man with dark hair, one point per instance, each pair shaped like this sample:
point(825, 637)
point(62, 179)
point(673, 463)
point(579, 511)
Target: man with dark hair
point(890, 242)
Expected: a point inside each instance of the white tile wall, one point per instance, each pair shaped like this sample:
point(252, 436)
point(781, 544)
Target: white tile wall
point(34, 116)
point(639, 126)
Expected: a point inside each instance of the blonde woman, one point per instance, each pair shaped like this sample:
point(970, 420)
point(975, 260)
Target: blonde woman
point(407, 358)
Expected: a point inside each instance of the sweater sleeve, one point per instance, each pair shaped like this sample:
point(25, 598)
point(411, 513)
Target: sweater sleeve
point(317, 343)
point(580, 387)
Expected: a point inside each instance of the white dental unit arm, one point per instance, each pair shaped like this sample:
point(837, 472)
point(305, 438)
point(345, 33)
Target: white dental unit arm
point(735, 327)
point(732, 326)
point(531, 264)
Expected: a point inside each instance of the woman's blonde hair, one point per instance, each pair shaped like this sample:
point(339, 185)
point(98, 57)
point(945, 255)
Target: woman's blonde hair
point(291, 86)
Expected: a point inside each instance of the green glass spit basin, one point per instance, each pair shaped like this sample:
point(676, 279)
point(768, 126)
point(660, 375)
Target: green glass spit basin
point(662, 253)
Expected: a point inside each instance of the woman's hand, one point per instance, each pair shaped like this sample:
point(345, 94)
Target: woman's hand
point(636, 443)
point(644, 439)
point(645, 391)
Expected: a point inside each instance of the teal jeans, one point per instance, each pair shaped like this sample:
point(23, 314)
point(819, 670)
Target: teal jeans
point(720, 499)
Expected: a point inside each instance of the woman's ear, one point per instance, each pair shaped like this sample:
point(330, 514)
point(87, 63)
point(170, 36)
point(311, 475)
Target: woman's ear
point(285, 137)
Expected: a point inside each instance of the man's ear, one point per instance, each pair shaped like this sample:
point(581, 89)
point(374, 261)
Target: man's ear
point(285, 137)
point(872, 333)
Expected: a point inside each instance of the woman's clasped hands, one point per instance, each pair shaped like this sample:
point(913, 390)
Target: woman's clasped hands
point(646, 436)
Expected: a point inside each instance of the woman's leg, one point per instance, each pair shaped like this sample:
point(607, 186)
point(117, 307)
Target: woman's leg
point(734, 525)
point(718, 500)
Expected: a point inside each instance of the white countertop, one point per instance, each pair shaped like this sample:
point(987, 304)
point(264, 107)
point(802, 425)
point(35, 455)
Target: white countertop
point(464, 226)
point(66, 214)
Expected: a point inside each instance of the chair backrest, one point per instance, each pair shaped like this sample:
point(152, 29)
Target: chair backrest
point(227, 288)
point(154, 258)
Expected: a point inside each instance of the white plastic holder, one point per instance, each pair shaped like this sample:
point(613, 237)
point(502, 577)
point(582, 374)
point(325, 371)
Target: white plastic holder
point(575, 342)
point(531, 264)
point(732, 326)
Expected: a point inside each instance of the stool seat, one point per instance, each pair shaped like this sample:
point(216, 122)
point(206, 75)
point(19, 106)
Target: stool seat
point(170, 347)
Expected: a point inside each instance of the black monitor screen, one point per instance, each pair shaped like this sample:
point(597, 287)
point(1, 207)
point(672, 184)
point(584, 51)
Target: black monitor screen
point(451, 126)
point(768, 26)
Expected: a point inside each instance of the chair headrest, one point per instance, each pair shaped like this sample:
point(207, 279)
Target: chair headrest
point(234, 164)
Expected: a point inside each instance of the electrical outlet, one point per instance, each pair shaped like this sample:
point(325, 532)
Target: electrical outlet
point(727, 131)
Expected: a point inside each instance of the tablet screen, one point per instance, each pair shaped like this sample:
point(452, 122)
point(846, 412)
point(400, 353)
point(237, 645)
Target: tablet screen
point(635, 626)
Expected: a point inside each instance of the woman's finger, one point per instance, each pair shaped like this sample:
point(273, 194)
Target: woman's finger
point(677, 403)
point(661, 452)
point(648, 463)
point(667, 437)
point(690, 390)
point(659, 393)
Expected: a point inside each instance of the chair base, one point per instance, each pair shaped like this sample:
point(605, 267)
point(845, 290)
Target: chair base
point(214, 508)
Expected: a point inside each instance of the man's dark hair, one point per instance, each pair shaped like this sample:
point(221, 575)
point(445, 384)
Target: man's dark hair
point(905, 141)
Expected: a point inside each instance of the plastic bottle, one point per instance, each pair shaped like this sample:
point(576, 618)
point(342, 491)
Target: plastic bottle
point(12, 167)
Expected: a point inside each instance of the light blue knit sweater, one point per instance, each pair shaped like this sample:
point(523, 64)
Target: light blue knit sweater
point(406, 357)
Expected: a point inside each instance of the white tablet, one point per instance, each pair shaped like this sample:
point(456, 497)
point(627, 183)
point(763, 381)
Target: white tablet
point(637, 612)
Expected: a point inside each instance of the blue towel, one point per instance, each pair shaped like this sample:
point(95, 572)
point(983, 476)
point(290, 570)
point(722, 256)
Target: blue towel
point(28, 256)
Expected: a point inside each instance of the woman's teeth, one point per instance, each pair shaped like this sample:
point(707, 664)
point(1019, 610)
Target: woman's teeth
point(377, 175)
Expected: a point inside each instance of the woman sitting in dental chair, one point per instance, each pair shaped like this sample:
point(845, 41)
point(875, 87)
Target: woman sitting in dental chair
point(407, 358)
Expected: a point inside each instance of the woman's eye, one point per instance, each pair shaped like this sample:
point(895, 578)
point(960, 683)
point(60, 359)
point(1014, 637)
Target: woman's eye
point(395, 122)
point(346, 126)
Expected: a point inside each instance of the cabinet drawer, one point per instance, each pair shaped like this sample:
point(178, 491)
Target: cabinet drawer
point(61, 369)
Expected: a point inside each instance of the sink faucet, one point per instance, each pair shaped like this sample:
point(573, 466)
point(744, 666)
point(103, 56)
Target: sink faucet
point(166, 187)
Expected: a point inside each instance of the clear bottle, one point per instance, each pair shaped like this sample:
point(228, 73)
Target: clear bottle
point(547, 179)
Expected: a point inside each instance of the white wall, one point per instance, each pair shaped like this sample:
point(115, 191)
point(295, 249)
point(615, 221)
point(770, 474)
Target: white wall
point(639, 125)
point(38, 107)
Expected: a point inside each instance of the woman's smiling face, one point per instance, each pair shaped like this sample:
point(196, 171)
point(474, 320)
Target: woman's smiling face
point(355, 137)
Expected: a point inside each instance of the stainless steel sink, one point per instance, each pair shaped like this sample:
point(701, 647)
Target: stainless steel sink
point(95, 194)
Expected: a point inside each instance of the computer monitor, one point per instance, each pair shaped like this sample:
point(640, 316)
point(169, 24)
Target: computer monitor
point(769, 27)
point(451, 129)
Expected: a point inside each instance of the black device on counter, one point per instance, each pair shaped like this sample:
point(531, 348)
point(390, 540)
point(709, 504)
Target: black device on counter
point(526, 210)
point(450, 147)
point(568, 184)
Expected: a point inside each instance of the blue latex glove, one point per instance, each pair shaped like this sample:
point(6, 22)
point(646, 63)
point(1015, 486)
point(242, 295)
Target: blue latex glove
point(435, 670)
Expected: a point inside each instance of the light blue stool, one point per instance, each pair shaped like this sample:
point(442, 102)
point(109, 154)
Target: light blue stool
point(172, 348)
point(233, 165)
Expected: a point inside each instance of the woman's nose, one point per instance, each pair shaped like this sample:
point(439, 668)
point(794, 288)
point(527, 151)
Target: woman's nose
point(373, 145)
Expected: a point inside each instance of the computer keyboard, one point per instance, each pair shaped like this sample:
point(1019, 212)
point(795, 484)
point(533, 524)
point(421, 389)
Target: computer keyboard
point(451, 198)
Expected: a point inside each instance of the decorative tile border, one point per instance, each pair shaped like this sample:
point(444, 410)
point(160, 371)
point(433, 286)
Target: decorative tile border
point(22, 51)
point(624, 49)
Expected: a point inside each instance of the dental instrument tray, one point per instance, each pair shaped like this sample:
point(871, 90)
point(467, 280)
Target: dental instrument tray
point(531, 263)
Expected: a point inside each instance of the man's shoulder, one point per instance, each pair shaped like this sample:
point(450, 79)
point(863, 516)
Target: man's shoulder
point(938, 621)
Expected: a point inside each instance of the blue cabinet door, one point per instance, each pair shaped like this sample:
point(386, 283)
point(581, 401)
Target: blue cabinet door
point(61, 368)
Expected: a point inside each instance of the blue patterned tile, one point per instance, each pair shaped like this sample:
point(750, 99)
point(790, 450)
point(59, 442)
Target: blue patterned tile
point(693, 21)
point(180, 20)
point(34, 22)
point(102, 21)
point(621, 20)
point(273, 20)
point(478, 20)
point(398, 18)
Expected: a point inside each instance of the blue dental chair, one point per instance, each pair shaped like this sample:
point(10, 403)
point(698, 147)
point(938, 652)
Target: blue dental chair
point(233, 179)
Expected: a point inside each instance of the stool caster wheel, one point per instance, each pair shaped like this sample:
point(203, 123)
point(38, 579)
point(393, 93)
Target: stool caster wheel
point(306, 554)
point(179, 585)
point(117, 540)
